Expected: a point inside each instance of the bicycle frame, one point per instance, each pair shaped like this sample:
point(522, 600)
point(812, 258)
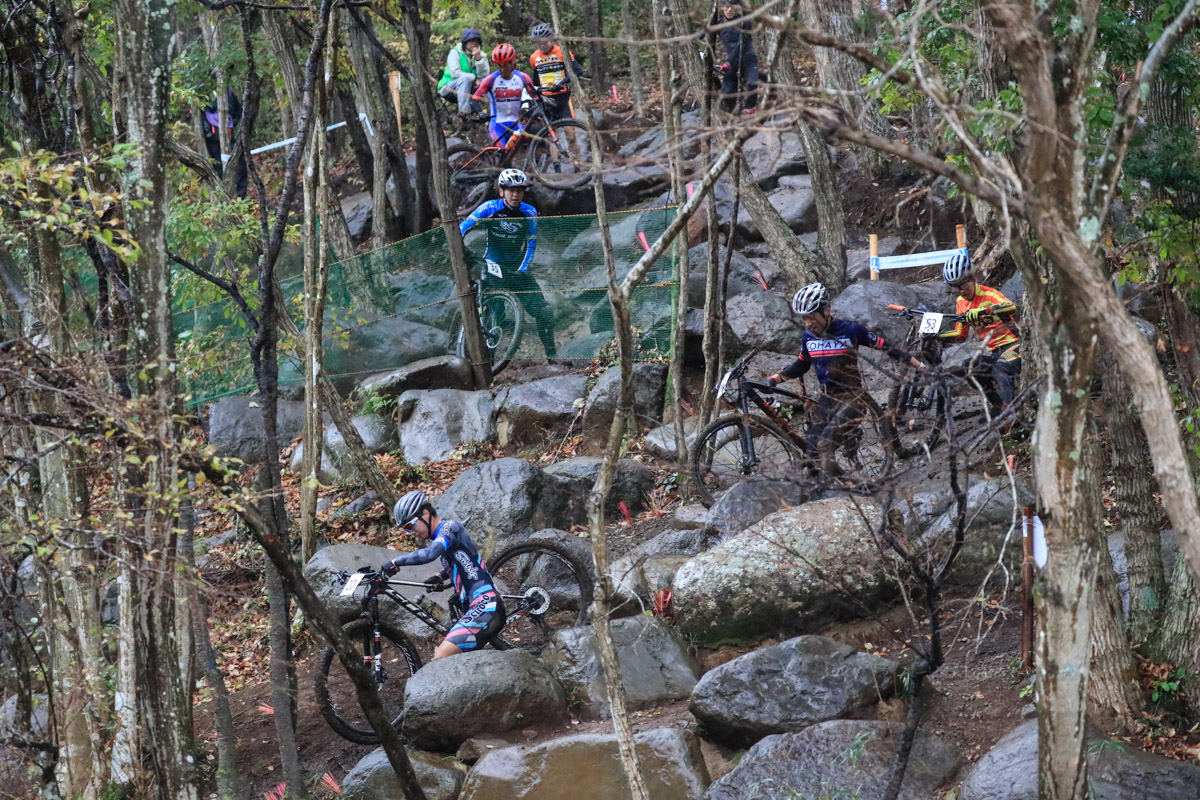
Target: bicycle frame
point(748, 392)
point(507, 151)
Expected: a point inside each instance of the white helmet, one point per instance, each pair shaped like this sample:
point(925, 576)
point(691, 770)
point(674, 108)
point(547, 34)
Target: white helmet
point(513, 179)
point(957, 269)
point(409, 506)
point(810, 299)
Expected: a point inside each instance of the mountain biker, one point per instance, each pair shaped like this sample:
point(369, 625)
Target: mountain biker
point(741, 62)
point(509, 92)
point(991, 314)
point(511, 243)
point(549, 65)
point(462, 566)
point(831, 350)
point(465, 64)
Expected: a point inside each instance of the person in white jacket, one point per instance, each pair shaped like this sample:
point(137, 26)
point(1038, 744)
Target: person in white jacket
point(465, 64)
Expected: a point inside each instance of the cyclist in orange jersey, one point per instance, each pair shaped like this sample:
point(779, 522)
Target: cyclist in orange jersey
point(991, 315)
point(548, 65)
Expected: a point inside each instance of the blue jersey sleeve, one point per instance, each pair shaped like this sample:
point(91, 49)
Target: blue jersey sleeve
point(531, 247)
point(486, 209)
point(423, 556)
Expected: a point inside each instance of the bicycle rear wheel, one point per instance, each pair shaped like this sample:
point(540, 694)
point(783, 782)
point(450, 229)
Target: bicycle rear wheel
point(472, 173)
point(562, 160)
point(719, 458)
point(335, 691)
point(546, 586)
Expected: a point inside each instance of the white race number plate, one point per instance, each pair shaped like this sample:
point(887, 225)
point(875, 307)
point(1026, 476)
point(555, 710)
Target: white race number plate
point(352, 584)
point(931, 322)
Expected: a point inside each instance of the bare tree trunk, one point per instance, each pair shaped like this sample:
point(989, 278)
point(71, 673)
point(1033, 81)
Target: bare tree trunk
point(1113, 693)
point(416, 32)
point(593, 28)
point(635, 63)
point(671, 125)
point(1133, 490)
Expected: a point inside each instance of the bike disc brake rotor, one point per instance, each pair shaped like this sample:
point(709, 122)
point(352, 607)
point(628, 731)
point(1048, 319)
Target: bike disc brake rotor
point(536, 600)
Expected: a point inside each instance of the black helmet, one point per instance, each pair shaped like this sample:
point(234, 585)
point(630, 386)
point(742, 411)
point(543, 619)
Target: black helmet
point(471, 33)
point(541, 31)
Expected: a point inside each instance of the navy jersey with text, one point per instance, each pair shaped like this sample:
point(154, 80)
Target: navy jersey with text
point(460, 560)
point(833, 356)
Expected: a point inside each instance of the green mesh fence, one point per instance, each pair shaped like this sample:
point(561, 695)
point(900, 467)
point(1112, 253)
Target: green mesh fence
point(393, 306)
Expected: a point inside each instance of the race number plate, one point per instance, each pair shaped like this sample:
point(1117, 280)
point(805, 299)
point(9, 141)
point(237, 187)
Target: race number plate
point(931, 322)
point(494, 269)
point(352, 584)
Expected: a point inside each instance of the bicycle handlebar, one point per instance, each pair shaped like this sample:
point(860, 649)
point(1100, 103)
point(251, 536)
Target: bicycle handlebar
point(909, 313)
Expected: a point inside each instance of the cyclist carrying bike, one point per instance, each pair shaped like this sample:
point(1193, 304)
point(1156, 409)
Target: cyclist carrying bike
point(462, 566)
point(991, 314)
point(831, 349)
point(549, 64)
point(511, 243)
point(509, 93)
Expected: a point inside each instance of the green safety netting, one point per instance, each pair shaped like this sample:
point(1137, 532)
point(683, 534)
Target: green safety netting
point(393, 306)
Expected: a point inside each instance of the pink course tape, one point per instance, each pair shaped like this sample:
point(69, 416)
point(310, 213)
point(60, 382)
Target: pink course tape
point(641, 237)
point(615, 98)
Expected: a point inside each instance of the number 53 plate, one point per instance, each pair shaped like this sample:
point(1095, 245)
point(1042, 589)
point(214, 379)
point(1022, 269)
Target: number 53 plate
point(931, 322)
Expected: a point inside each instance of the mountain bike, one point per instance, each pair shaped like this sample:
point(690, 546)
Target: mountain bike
point(557, 154)
point(742, 444)
point(501, 318)
point(544, 589)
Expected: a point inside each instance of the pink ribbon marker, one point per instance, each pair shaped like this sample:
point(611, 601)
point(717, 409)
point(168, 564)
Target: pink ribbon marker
point(641, 237)
point(615, 98)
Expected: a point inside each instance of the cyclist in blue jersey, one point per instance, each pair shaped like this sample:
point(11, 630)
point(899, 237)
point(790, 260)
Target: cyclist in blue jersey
point(462, 568)
point(831, 350)
point(509, 93)
point(511, 243)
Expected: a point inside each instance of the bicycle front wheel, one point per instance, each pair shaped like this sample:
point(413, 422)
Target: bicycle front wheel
point(720, 457)
point(918, 412)
point(502, 324)
point(561, 156)
point(335, 691)
point(545, 589)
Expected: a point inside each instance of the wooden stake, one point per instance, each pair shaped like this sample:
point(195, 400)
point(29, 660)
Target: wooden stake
point(874, 255)
point(960, 233)
point(394, 83)
point(1027, 566)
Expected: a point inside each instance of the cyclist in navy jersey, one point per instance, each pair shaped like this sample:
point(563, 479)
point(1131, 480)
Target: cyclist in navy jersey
point(462, 567)
point(831, 350)
point(511, 243)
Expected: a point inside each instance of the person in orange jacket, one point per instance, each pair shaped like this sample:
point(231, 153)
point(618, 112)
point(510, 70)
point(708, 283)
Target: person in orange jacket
point(549, 66)
point(991, 315)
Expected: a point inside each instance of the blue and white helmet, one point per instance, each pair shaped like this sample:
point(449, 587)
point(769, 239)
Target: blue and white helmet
point(810, 299)
point(513, 179)
point(957, 269)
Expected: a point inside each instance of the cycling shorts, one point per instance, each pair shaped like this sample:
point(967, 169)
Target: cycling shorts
point(480, 624)
point(501, 131)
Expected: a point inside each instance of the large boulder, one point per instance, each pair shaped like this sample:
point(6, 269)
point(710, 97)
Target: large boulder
point(632, 484)
point(839, 758)
point(439, 372)
point(661, 441)
point(867, 303)
point(322, 569)
point(586, 767)
point(795, 202)
point(762, 321)
point(378, 434)
point(373, 778)
point(773, 152)
point(450, 700)
point(649, 390)
point(743, 274)
point(791, 572)
point(747, 502)
point(532, 413)
point(505, 498)
point(788, 687)
point(1116, 772)
point(434, 423)
point(388, 342)
point(655, 665)
point(235, 426)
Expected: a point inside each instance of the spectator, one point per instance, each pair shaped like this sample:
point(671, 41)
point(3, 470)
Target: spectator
point(465, 64)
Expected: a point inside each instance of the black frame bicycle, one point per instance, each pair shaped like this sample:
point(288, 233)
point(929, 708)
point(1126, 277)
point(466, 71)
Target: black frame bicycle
point(501, 319)
point(543, 586)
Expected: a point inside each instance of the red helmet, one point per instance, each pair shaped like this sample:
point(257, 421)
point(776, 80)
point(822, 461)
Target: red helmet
point(504, 53)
